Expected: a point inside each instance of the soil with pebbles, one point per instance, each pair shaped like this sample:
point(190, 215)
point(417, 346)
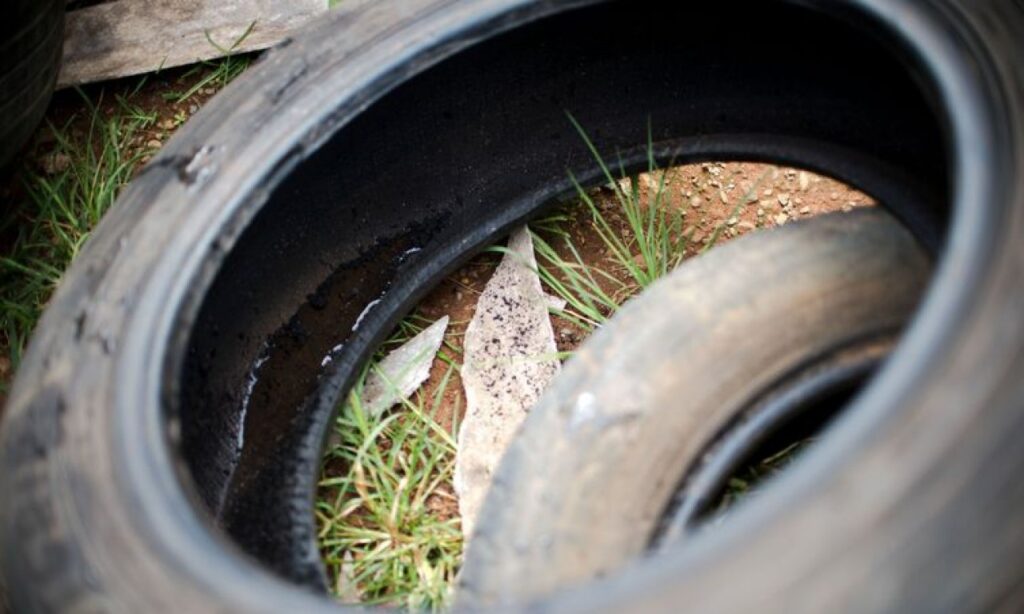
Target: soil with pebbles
point(708, 193)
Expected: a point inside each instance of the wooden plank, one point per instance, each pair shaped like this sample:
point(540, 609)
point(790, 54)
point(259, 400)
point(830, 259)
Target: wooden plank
point(130, 37)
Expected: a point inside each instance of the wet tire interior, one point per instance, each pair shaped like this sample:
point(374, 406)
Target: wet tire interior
point(356, 233)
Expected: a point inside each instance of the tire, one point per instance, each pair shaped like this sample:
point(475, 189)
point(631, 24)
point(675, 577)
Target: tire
point(646, 396)
point(31, 40)
point(373, 154)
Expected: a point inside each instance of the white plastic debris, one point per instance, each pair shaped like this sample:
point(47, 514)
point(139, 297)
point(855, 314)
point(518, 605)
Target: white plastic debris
point(403, 371)
point(509, 358)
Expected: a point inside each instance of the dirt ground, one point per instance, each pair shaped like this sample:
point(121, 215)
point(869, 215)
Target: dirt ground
point(708, 192)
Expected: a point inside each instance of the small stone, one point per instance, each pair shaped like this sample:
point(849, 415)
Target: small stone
point(805, 181)
point(805, 210)
point(760, 212)
point(733, 221)
point(192, 108)
point(746, 226)
point(733, 232)
point(57, 162)
point(154, 143)
point(695, 202)
point(780, 219)
point(767, 192)
point(783, 199)
point(725, 197)
point(166, 124)
point(847, 208)
point(834, 195)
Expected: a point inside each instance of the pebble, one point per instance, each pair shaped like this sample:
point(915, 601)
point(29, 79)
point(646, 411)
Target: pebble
point(781, 219)
point(56, 162)
point(805, 181)
point(153, 143)
point(805, 210)
point(783, 199)
point(733, 221)
point(695, 202)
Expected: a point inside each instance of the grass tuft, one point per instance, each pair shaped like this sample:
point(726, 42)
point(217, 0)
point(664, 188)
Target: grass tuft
point(389, 528)
point(62, 210)
point(654, 241)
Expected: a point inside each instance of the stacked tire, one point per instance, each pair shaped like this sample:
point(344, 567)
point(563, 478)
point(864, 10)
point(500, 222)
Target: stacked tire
point(31, 39)
point(373, 154)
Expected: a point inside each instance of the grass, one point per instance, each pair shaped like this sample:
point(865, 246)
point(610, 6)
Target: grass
point(754, 475)
point(63, 208)
point(68, 183)
point(212, 74)
point(654, 242)
point(388, 531)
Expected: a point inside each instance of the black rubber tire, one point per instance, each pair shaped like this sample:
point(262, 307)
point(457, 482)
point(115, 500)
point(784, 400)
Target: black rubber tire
point(31, 40)
point(585, 484)
point(295, 199)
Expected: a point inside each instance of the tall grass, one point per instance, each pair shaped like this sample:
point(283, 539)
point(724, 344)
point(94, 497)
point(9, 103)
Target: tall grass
point(62, 210)
point(389, 532)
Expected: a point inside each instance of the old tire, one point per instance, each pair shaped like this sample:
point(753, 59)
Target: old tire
point(375, 153)
point(583, 488)
point(31, 39)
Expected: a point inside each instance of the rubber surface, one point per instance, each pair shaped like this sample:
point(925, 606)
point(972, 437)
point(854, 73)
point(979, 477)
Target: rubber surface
point(294, 199)
point(31, 39)
point(584, 486)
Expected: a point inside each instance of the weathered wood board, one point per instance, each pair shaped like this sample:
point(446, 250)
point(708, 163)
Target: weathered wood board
point(130, 37)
